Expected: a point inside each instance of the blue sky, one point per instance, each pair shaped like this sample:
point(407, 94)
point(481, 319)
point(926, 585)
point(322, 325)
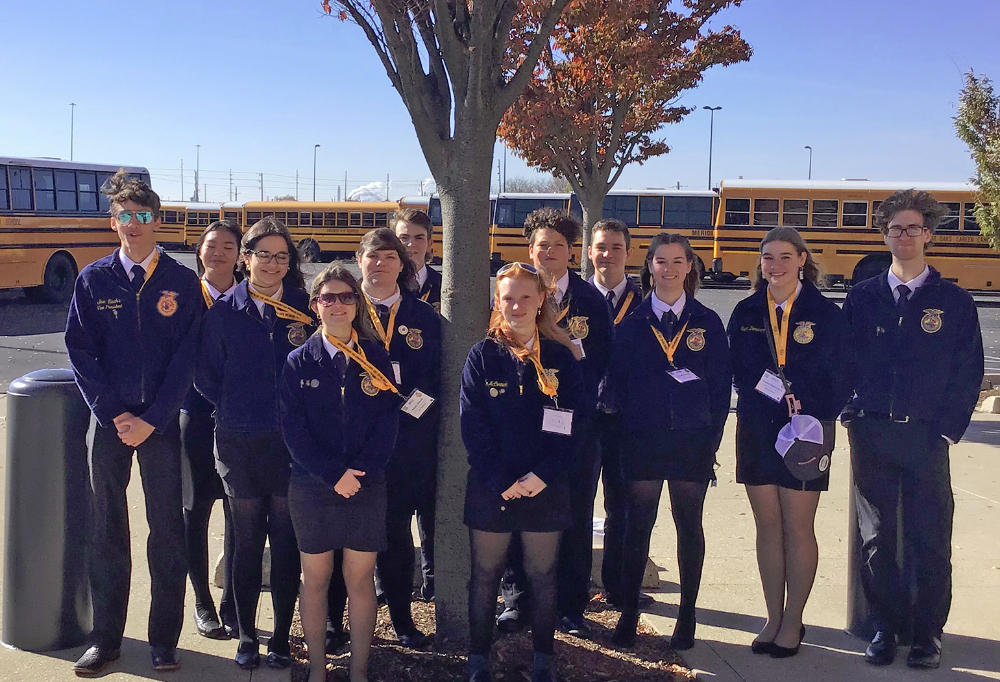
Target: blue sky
point(870, 85)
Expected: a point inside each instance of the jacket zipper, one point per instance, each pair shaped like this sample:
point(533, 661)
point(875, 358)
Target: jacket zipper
point(142, 365)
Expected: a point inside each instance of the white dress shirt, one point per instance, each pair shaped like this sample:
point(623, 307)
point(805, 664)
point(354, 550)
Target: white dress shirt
point(618, 290)
point(333, 350)
point(259, 303)
point(561, 286)
point(421, 277)
point(913, 284)
point(128, 262)
point(215, 293)
point(660, 308)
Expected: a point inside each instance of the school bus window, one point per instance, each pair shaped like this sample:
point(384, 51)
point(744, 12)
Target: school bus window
point(765, 212)
point(381, 220)
point(875, 205)
point(367, 219)
point(317, 219)
point(168, 217)
point(20, 188)
point(181, 217)
point(795, 212)
point(950, 221)
point(971, 224)
point(280, 216)
point(737, 211)
point(342, 219)
point(103, 202)
point(355, 219)
point(329, 219)
point(624, 208)
point(304, 219)
point(192, 219)
point(4, 204)
point(233, 216)
point(204, 219)
point(434, 210)
point(65, 190)
point(252, 217)
point(45, 190)
point(650, 210)
point(855, 214)
point(504, 213)
point(268, 214)
point(292, 219)
point(825, 212)
point(86, 186)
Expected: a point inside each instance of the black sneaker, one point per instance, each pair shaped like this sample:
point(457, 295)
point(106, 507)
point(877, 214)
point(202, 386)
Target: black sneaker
point(95, 659)
point(510, 621)
point(576, 626)
point(165, 658)
point(882, 650)
point(207, 622)
point(925, 654)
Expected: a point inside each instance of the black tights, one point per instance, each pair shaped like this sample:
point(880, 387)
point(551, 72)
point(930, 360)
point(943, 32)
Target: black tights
point(489, 557)
point(196, 535)
point(253, 519)
point(336, 594)
point(687, 500)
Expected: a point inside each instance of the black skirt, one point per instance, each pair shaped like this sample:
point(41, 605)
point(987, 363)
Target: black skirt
point(199, 479)
point(252, 464)
point(758, 462)
point(325, 521)
point(546, 512)
point(667, 455)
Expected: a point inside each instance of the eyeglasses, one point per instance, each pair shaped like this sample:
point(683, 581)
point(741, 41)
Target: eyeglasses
point(144, 217)
point(345, 297)
point(266, 256)
point(510, 266)
point(912, 230)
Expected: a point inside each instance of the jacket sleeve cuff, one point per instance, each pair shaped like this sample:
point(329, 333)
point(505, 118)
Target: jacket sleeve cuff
point(105, 411)
point(332, 474)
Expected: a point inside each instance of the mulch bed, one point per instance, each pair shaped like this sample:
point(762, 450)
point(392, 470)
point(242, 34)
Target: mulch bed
point(579, 660)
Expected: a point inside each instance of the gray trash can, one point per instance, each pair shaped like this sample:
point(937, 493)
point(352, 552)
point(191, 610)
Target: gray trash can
point(46, 590)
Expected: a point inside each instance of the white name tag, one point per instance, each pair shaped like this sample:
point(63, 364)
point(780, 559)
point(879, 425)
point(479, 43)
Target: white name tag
point(579, 344)
point(397, 372)
point(558, 421)
point(770, 384)
point(682, 376)
point(417, 403)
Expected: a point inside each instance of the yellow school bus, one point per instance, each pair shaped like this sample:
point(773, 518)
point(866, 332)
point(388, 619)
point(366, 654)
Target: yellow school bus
point(835, 218)
point(173, 221)
point(53, 221)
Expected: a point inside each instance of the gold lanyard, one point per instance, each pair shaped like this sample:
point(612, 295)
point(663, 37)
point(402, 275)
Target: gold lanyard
point(209, 301)
point(562, 314)
point(669, 348)
point(625, 305)
point(426, 296)
point(383, 333)
point(545, 383)
point(282, 310)
point(379, 380)
point(780, 331)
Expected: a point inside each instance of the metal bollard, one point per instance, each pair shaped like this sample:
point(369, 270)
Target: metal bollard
point(46, 596)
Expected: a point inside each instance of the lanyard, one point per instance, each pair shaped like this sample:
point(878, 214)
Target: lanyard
point(780, 331)
point(383, 333)
point(624, 308)
point(562, 314)
point(379, 380)
point(282, 310)
point(149, 272)
point(209, 301)
point(545, 383)
point(426, 295)
point(669, 348)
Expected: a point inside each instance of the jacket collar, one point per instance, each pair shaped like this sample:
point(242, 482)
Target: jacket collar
point(693, 310)
point(933, 280)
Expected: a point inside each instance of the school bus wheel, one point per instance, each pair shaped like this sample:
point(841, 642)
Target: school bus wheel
point(57, 283)
point(870, 266)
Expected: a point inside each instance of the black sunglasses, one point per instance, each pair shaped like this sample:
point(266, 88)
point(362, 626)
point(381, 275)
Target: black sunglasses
point(346, 297)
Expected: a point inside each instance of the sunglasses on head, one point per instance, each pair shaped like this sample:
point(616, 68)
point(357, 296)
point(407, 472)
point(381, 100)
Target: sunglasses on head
point(510, 266)
point(345, 297)
point(144, 217)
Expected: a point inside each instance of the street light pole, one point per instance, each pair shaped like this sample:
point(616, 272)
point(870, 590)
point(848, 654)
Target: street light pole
point(72, 112)
point(197, 169)
point(315, 148)
point(711, 134)
point(810, 177)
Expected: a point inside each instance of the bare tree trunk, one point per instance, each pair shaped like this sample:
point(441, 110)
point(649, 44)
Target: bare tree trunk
point(464, 193)
point(592, 204)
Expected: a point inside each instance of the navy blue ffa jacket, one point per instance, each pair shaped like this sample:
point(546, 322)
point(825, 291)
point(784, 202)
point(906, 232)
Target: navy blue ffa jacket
point(430, 292)
point(416, 346)
point(633, 303)
point(241, 357)
point(332, 425)
point(194, 402)
point(589, 319)
point(647, 398)
point(818, 366)
point(926, 365)
point(502, 409)
point(134, 352)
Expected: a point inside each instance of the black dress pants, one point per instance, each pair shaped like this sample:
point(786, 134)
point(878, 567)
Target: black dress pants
point(616, 505)
point(110, 463)
point(396, 565)
point(888, 457)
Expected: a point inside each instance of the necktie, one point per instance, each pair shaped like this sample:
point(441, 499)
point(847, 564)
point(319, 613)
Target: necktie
point(340, 363)
point(611, 300)
point(138, 277)
point(904, 296)
point(779, 314)
point(269, 316)
point(383, 316)
point(667, 322)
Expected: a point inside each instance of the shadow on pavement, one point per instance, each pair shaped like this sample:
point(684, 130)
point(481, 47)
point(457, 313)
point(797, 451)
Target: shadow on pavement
point(983, 431)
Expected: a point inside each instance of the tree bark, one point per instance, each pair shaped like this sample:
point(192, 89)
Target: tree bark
point(592, 203)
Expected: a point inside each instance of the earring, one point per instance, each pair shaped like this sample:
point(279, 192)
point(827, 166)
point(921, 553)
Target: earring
point(800, 273)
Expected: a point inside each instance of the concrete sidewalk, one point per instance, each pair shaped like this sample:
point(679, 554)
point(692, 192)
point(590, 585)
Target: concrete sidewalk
point(731, 604)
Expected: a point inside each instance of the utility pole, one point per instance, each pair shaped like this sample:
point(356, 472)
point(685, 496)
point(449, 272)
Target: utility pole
point(499, 181)
point(72, 116)
point(262, 187)
point(296, 185)
point(711, 132)
point(182, 181)
point(315, 149)
point(345, 185)
point(387, 187)
point(505, 168)
point(237, 195)
point(810, 176)
point(197, 168)
point(230, 184)
point(204, 193)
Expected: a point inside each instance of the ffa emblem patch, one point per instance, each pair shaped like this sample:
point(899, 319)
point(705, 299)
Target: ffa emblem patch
point(804, 332)
point(414, 340)
point(696, 339)
point(578, 327)
point(167, 305)
point(551, 374)
point(296, 334)
point(824, 463)
point(931, 321)
point(367, 386)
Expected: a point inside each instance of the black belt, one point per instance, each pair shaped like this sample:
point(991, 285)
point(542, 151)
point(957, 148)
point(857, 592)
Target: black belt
point(898, 419)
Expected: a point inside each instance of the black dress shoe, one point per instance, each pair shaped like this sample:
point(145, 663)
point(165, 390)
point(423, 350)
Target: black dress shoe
point(412, 640)
point(576, 626)
point(761, 648)
point(336, 640)
point(248, 660)
point(510, 621)
point(165, 658)
point(683, 637)
point(278, 661)
point(95, 659)
point(882, 650)
point(207, 622)
point(925, 653)
point(787, 652)
point(624, 634)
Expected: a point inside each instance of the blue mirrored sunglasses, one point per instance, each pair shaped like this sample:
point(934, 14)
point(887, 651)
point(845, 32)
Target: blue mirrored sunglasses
point(144, 217)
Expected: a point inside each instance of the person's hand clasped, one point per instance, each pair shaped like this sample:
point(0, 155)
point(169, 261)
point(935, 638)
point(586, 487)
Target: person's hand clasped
point(532, 484)
point(133, 431)
point(349, 485)
point(515, 491)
